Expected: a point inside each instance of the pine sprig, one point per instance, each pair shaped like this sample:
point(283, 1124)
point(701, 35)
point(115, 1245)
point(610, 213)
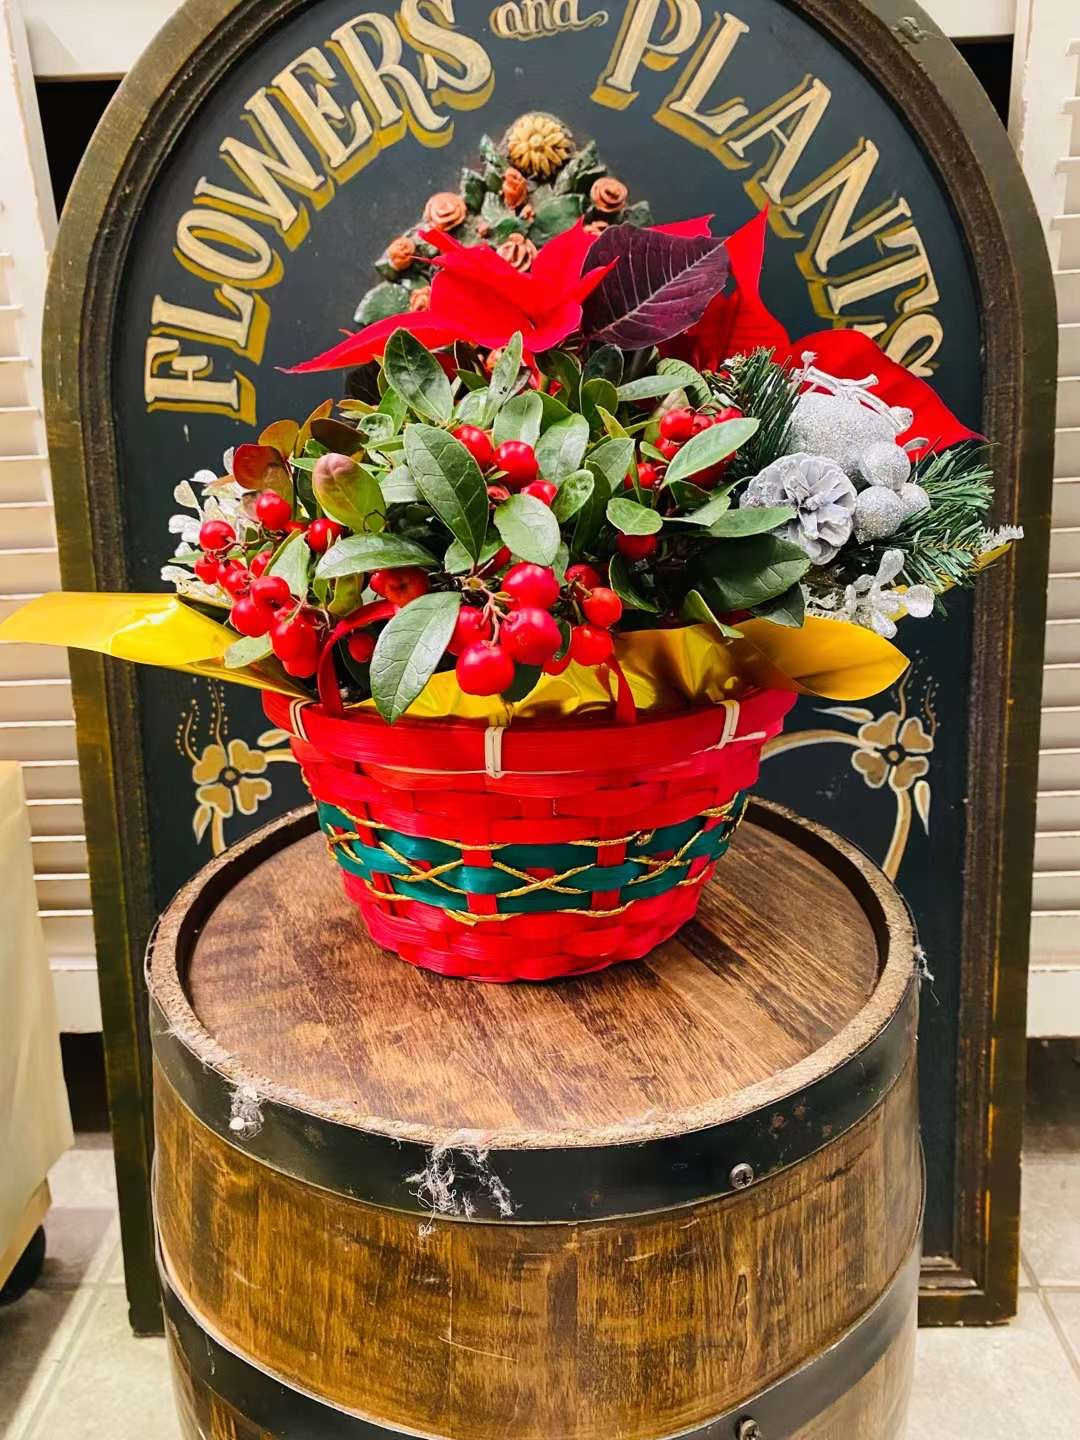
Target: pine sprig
point(768, 392)
point(941, 546)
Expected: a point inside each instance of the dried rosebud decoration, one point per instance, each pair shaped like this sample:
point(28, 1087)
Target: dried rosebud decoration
point(420, 298)
point(445, 211)
point(515, 188)
point(608, 195)
point(518, 251)
point(401, 252)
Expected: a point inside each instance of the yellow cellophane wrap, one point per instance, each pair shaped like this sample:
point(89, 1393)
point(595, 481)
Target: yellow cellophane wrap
point(664, 668)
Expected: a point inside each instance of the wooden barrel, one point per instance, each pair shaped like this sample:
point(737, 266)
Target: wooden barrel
point(682, 1197)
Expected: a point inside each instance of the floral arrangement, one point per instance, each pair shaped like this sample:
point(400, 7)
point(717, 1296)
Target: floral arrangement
point(583, 477)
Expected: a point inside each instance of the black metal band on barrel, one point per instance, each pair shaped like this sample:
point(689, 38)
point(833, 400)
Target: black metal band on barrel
point(779, 1412)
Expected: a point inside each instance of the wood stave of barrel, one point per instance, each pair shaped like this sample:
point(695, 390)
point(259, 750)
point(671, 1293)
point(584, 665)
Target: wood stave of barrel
point(746, 1267)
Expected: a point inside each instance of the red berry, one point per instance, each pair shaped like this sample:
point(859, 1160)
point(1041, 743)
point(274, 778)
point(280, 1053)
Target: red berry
point(499, 559)
point(542, 490)
point(668, 448)
point(723, 416)
point(531, 585)
point(519, 461)
point(602, 606)
point(272, 510)
point(702, 422)
point(260, 561)
point(636, 547)
point(478, 444)
point(296, 525)
point(251, 618)
point(292, 636)
point(400, 586)
point(497, 494)
point(216, 535)
point(272, 590)
point(530, 635)
point(584, 575)
point(590, 646)
point(485, 669)
point(306, 660)
point(648, 475)
point(361, 646)
point(556, 666)
point(322, 533)
point(208, 569)
point(472, 626)
point(677, 424)
point(234, 578)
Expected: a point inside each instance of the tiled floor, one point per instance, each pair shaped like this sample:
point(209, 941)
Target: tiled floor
point(70, 1369)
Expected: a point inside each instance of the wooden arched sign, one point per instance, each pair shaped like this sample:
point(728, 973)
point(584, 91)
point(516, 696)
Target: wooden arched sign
point(227, 217)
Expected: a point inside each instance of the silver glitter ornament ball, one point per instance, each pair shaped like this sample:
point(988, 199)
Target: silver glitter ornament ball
point(838, 427)
point(914, 499)
point(885, 463)
point(878, 512)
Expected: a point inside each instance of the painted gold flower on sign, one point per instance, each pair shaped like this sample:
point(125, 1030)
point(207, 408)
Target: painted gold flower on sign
point(893, 749)
point(229, 778)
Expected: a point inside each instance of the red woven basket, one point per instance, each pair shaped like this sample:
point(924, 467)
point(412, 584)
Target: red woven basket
point(535, 851)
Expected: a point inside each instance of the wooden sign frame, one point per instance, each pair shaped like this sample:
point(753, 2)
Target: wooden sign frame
point(902, 51)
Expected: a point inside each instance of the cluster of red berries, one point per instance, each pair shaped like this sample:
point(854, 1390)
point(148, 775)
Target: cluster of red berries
point(515, 458)
point(676, 428)
point(528, 634)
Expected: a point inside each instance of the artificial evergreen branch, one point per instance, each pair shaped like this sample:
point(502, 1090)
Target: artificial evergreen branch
point(768, 392)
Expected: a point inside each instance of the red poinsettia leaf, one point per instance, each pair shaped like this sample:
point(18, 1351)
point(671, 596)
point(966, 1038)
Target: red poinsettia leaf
point(260, 467)
point(849, 355)
point(478, 264)
point(700, 225)
point(481, 315)
point(660, 286)
point(369, 343)
point(559, 262)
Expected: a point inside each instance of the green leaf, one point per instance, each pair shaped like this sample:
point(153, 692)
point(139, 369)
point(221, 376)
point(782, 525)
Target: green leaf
point(382, 301)
point(555, 216)
point(787, 609)
point(554, 410)
point(504, 378)
point(457, 560)
point(472, 189)
point(529, 528)
point(630, 518)
point(355, 500)
point(409, 649)
point(471, 380)
point(526, 679)
point(591, 515)
point(752, 520)
point(612, 459)
point(709, 448)
point(563, 367)
point(393, 405)
point(357, 554)
point(691, 497)
point(418, 378)
point(247, 651)
point(599, 401)
point(560, 449)
point(450, 481)
point(740, 574)
point(715, 507)
point(606, 363)
point(348, 594)
point(621, 580)
point(649, 387)
point(519, 419)
point(398, 486)
point(293, 563)
point(572, 495)
point(472, 409)
point(694, 607)
point(691, 380)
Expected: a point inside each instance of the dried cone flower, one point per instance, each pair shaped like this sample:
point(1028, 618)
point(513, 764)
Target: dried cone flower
point(445, 210)
point(515, 188)
point(420, 298)
point(538, 144)
point(608, 195)
point(519, 251)
point(401, 252)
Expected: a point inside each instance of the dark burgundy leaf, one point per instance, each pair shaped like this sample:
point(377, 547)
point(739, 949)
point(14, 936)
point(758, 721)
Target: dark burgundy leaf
point(659, 287)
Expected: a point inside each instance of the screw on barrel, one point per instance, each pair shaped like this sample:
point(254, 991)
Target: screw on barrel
point(748, 1429)
point(741, 1176)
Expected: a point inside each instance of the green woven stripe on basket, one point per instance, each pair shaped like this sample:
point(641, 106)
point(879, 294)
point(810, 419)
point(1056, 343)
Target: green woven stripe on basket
point(409, 859)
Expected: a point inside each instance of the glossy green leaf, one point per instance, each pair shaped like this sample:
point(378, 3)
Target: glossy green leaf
point(605, 363)
point(649, 387)
point(690, 380)
point(709, 448)
point(293, 563)
point(787, 609)
point(598, 396)
point(519, 419)
point(695, 607)
point(357, 554)
point(630, 518)
point(417, 377)
point(504, 379)
point(450, 481)
point(573, 492)
point(355, 500)
point(247, 651)
point(409, 649)
point(739, 574)
point(529, 528)
point(398, 486)
point(752, 520)
point(622, 580)
point(715, 507)
point(560, 449)
point(612, 459)
point(458, 561)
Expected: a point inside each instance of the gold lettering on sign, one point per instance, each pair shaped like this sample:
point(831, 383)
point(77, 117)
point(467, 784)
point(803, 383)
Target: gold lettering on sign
point(217, 246)
point(536, 19)
point(340, 135)
point(172, 381)
point(637, 44)
point(389, 87)
point(243, 331)
point(470, 81)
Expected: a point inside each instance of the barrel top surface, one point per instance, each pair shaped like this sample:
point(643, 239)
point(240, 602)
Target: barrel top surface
point(801, 952)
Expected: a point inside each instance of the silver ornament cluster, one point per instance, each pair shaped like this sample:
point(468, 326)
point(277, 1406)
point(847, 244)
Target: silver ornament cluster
point(874, 602)
point(821, 495)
